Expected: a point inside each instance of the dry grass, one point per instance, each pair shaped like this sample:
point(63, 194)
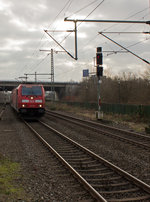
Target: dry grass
point(134, 123)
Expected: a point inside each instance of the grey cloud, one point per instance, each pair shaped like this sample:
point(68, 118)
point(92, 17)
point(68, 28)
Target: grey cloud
point(40, 14)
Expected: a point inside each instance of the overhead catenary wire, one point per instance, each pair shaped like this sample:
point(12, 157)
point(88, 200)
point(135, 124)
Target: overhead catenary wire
point(83, 21)
point(36, 65)
point(130, 25)
point(126, 19)
point(32, 67)
point(95, 37)
point(66, 37)
point(113, 25)
point(112, 21)
point(39, 43)
point(53, 21)
point(129, 46)
point(86, 6)
point(116, 25)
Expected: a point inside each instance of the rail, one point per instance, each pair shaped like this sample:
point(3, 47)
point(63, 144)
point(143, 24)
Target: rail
point(105, 181)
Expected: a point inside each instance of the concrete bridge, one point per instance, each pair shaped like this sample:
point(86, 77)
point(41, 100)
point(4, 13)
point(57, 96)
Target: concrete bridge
point(60, 87)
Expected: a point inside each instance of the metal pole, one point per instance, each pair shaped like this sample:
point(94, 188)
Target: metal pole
point(109, 21)
point(99, 113)
point(98, 94)
point(125, 32)
point(99, 63)
point(52, 73)
point(76, 56)
point(51, 69)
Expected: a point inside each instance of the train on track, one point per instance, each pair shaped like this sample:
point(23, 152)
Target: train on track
point(29, 100)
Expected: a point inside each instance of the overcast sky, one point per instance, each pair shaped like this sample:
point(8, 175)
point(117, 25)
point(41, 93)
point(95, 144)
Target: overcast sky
point(22, 25)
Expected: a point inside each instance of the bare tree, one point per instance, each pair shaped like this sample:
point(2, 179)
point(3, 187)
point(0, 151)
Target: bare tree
point(124, 89)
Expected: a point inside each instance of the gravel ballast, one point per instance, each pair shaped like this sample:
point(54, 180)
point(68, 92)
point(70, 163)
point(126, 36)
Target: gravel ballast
point(134, 160)
point(39, 177)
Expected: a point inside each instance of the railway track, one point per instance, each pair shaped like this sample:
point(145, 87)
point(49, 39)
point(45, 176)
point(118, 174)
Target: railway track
point(103, 180)
point(138, 140)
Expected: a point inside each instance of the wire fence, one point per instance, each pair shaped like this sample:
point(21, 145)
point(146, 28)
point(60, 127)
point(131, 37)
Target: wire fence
point(142, 111)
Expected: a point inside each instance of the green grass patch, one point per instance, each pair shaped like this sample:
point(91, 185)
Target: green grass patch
point(9, 172)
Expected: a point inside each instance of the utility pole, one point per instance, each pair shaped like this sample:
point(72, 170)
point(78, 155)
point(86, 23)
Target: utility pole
point(52, 75)
point(51, 52)
point(52, 72)
point(52, 69)
point(99, 71)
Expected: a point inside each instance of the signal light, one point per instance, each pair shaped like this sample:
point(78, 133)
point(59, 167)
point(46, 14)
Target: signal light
point(99, 71)
point(99, 58)
point(99, 61)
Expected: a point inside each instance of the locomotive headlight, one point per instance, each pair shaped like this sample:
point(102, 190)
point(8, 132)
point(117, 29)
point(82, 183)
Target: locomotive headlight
point(40, 106)
point(23, 105)
point(31, 98)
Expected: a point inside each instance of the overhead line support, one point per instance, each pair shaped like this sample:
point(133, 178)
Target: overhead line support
point(62, 46)
point(126, 32)
point(124, 48)
point(100, 21)
point(108, 21)
point(75, 29)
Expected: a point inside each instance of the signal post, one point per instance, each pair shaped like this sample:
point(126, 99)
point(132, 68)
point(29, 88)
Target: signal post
point(99, 72)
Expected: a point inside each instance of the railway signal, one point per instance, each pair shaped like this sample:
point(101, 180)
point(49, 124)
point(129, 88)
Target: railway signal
point(99, 62)
point(99, 56)
point(99, 71)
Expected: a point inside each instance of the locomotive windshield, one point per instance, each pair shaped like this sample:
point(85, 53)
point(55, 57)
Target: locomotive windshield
point(33, 90)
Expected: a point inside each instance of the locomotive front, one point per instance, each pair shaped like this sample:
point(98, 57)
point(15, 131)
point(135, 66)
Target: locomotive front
point(31, 100)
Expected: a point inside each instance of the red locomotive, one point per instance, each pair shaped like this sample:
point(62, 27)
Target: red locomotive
point(29, 99)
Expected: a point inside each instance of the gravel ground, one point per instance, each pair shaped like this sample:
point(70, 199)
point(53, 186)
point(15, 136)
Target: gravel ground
point(133, 160)
point(39, 170)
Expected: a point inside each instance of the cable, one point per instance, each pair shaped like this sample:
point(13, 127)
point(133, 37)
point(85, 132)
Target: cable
point(86, 6)
point(91, 12)
point(82, 21)
point(129, 46)
point(59, 14)
point(126, 19)
point(53, 21)
point(39, 43)
point(39, 62)
point(94, 38)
